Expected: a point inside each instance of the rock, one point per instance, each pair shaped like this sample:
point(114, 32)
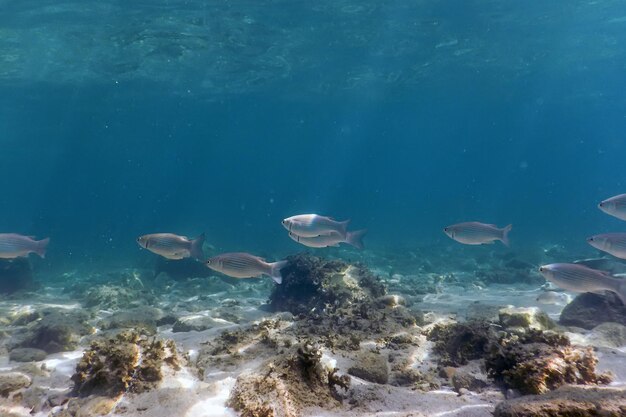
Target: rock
point(288, 384)
point(15, 274)
point(142, 319)
point(470, 378)
point(479, 311)
point(111, 297)
point(525, 317)
point(371, 367)
point(569, 401)
point(611, 335)
point(27, 355)
point(56, 331)
point(458, 343)
point(12, 381)
point(589, 310)
point(112, 366)
point(195, 323)
point(536, 362)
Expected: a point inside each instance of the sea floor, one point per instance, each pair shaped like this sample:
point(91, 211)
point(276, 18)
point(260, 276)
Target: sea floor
point(194, 312)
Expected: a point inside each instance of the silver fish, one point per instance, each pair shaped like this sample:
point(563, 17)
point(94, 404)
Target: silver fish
point(579, 278)
point(332, 239)
point(614, 206)
point(172, 246)
point(475, 233)
point(244, 265)
point(554, 297)
point(13, 245)
point(613, 243)
point(312, 225)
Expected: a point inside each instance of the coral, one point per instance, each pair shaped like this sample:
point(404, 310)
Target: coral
point(458, 343)
point(126, 362)
point(287, 384)
point(537, 362)
point(567, 401)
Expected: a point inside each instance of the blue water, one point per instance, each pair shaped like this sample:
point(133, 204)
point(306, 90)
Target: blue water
point(221, 117)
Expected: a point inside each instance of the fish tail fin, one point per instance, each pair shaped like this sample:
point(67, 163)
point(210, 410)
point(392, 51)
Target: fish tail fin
point(505, 234)
point(356, 238)
point(275, 268)
point(42, 246)
point(621, 291)
point(196, 247)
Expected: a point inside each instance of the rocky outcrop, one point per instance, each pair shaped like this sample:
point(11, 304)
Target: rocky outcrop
point(589, 310)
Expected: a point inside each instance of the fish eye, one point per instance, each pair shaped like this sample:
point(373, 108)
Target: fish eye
point(208, 262)
point(601, 204)
point(445, 229)
point(541, 269)
point(589, 239)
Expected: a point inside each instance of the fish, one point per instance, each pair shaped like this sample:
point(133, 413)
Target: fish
point(172, 246)
point(245, 265)
point(612, 243)
point(332, 239)
point(13, 246)
point(579, 278)
point(313, 225)
point(554, 297)
point(610, 265)
point(475, 233)
point(614, 206)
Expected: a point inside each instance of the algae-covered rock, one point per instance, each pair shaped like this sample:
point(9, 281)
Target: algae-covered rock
point(126, 362)
point(12, 381)
point(342, 303)
point(536, 362)
point(141, 319)
point(311, 283)
point(525, 317)
point(371, 366)
point(567, 401)
point(589, 310)
point(471, 377)
point(458, 343)
point(55, 331)
point(287, 384)
point(27, 355)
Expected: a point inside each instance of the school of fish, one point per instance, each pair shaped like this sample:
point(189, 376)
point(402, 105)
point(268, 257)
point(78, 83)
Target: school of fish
point(317, 231)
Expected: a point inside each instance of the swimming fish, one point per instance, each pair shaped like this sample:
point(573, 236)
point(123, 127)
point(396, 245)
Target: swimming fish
point(579, 278)
point(614, 206)
point(475, 233)
point(613, 243)
point(332, 239)
point(554, 297)
point(172, 246)
point(244, 265)
point(312, 225)
point(13, 245)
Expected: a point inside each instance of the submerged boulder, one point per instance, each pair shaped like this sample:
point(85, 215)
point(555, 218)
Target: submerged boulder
point(589, 310)
point(525, 318)
point(458, 343)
